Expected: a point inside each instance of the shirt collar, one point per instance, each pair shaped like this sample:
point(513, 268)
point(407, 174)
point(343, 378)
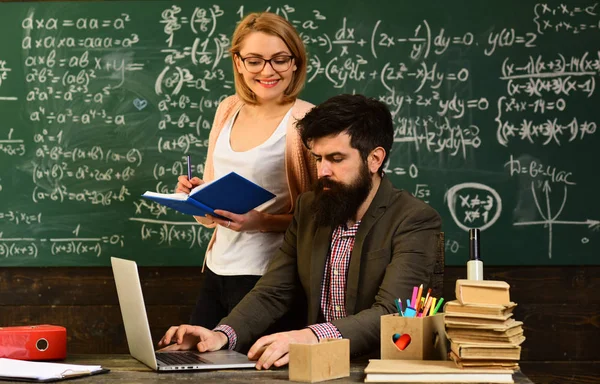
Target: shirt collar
point(344, 231)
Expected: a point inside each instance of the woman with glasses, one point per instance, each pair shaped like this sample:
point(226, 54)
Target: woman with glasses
point(254, 134)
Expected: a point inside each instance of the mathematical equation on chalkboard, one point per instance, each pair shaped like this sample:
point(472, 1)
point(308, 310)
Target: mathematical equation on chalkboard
point(111, 110)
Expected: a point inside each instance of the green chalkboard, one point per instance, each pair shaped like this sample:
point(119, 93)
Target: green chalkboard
point(494, 105)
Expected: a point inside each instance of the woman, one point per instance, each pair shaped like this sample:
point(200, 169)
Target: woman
point(254, 134)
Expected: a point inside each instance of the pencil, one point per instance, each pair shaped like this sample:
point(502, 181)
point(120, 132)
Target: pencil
point(398, 303)
point(427, 297)
point(427, 305)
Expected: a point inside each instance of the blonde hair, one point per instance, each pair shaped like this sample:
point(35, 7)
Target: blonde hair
point(275, 25)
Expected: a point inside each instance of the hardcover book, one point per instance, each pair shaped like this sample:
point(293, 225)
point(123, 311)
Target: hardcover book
point(232, 193)
point(482, 292)
point(486, 351)
point(478, 310)
point(432, 371)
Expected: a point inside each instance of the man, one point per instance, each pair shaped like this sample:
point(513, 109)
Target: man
point(354, 245)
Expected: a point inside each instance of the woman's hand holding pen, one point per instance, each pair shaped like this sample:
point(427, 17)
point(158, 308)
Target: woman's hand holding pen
point(185, 185)
point(250, 221)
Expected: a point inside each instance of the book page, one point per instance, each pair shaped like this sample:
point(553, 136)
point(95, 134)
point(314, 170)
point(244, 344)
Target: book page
point(201, 186)
point(43, 370)
point(171, 196)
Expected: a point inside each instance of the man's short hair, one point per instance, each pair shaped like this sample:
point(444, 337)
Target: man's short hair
point(367, 121)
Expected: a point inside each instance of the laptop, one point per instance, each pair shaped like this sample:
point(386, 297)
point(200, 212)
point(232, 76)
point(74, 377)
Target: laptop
point(138, 334)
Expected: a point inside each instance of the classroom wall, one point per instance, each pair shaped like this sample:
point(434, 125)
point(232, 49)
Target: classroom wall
point(489, 129)
point(558, 305)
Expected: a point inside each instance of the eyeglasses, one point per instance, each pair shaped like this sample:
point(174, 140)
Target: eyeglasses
point(280, 63)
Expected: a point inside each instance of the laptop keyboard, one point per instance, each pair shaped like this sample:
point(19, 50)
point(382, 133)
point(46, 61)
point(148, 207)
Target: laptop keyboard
point(179, 358)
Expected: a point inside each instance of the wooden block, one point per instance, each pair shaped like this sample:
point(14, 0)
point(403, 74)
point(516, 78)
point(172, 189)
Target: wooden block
point(310, 363)
point(426, 338)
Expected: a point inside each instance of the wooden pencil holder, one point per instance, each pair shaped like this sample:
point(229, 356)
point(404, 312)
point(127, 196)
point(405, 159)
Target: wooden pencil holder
point(328, 360)
point(413, 338)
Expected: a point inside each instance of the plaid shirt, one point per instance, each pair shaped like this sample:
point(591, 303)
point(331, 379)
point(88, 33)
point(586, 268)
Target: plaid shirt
point(333, 286)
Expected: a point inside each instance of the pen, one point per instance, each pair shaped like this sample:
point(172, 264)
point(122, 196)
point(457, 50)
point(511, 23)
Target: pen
point(433, 300)
point(439, 304)
point(189, 166)
point(421, 306)
point(413, 300)
point(417, 304)
point(410, 312)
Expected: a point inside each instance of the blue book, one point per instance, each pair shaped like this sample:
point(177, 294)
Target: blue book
point(231, 192)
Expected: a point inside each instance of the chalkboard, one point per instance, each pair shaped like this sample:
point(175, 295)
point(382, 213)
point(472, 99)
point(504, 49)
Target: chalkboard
point(494, 105)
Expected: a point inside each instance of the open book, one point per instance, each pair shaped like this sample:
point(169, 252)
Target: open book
point(231, 192)
point(20, 370)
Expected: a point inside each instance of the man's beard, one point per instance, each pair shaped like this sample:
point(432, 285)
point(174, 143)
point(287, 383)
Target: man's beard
point(340, 203)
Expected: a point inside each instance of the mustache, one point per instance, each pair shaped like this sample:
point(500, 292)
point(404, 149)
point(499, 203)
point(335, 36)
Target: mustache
point(326, 182)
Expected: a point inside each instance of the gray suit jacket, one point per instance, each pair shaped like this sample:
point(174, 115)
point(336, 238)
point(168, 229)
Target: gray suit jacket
point(394, 250)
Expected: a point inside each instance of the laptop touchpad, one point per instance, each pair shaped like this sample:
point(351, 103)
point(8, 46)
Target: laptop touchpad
point(222, 357)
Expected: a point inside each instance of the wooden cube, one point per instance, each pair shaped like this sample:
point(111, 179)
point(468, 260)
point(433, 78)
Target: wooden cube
point(427, 338)
point(310, 363)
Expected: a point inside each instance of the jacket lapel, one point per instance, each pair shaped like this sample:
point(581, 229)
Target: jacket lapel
point(321, 245)
point(374, 212)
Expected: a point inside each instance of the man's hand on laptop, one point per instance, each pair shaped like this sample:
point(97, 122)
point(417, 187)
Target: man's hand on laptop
point(187, 337)
point(273, 349)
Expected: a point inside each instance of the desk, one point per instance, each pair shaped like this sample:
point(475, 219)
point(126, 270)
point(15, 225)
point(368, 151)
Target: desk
point(125, 369)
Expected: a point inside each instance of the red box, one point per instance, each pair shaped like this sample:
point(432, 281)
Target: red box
point(35, 342)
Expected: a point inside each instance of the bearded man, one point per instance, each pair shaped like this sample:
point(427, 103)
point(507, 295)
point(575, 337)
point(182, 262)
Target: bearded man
point(355, 244)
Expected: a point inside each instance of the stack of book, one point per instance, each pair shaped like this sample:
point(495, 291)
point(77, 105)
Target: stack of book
point(481, 327)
